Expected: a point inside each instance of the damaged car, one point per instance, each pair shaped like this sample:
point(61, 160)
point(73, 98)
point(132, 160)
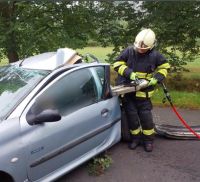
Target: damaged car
point(57, 111)
point(55, 115)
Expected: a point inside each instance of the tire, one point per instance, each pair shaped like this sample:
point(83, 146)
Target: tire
point(126, 137)
point(4, 177)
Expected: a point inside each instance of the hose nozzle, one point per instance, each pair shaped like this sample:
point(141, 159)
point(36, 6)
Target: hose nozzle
point(167, 95)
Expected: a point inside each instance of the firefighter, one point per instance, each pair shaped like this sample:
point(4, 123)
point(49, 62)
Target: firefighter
point(141, 61)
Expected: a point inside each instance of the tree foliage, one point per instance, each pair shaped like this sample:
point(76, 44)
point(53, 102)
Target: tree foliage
point(30, 27)
point(177, 26)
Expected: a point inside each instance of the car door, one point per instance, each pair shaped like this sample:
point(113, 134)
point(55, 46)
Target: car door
point(86, 122)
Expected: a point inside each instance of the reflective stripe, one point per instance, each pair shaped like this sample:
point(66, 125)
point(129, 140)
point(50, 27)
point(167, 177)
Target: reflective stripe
point(143, 94)
point(149, 76)
point(142, 75)
point(135, 132)
point(165, 66)
point(163, 72)
point(148, 132)
point(118, 63)
point(121, 69)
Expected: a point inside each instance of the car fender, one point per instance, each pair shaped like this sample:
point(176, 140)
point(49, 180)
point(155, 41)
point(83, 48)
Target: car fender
point(12, 153)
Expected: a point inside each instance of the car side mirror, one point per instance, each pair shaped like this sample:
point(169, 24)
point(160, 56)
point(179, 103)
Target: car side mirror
point(48, 115)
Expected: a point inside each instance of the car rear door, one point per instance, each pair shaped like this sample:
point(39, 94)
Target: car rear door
point(88, 119)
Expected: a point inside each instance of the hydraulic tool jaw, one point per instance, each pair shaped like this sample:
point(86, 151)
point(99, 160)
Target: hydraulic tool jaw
point(134, 86)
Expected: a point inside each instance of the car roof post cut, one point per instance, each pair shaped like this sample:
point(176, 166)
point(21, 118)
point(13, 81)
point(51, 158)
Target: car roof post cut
point(51, 60)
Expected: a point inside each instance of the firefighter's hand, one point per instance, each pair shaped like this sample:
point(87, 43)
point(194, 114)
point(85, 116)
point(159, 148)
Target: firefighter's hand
point(133, 76)
point(153, 81)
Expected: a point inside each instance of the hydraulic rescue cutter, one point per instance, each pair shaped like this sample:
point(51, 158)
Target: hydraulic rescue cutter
point(168, 131)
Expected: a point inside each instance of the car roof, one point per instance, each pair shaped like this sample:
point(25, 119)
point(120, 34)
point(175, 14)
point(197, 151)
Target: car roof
point(50, 60)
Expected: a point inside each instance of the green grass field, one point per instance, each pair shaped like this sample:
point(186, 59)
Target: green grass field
point(3, 61)
point(194, 68)
point(179, 99)
point(99, 52)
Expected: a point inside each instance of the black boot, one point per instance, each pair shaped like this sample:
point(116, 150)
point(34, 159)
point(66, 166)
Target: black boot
point(133, 145)
point(148, 146)
point(135, 141)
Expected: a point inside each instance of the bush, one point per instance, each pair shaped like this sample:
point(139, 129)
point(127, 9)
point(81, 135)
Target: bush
point(92, 43)
point(179, 83)
point(98, 165)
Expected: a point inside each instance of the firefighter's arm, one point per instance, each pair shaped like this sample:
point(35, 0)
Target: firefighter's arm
point(161, 70)
point(121, 67)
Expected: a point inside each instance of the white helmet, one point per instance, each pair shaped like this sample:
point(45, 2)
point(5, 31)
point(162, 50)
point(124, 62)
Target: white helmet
point(145, 39)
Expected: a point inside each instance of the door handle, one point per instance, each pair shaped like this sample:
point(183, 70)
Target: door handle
point(104, 112)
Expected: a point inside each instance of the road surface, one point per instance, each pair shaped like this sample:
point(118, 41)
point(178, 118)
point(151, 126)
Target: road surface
point(171, 160)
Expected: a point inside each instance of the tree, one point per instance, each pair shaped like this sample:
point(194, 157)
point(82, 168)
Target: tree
point(8, 35)
point(177, 25)
point(117, 25)
point(33, 27)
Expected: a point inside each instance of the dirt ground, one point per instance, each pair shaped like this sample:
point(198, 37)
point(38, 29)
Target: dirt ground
point(171, 160)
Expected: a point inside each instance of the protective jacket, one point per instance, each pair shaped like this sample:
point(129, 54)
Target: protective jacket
point(148, 65)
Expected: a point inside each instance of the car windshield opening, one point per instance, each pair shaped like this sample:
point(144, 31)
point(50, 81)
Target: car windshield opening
point(15, 83)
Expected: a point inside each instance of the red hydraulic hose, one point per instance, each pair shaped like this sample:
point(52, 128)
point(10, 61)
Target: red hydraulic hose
point(176, 112)
point(185, 123)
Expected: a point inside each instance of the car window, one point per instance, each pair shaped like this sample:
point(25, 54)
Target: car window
point(15, 84)
point(72, 92)
point(101, 74)
point(99, 77)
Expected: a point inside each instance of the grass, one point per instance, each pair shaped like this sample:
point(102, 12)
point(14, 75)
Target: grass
point(99, 52)
point(3, 61)
point(194, 63)
point(179, 98)
point(194, 68)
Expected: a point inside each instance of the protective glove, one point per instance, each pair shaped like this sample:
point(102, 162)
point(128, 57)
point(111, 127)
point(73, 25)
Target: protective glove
point(133, 76)
point(153, 81)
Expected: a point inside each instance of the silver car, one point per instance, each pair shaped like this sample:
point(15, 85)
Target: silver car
point(55, 115)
